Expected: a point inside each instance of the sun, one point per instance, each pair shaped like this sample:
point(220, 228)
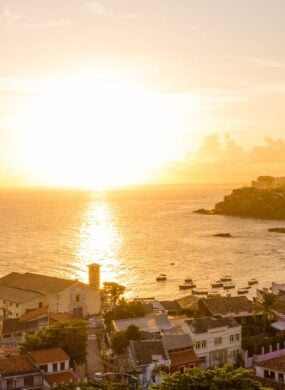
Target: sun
point(96, 132)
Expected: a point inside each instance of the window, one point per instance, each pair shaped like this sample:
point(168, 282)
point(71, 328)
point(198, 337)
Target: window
point(62, 365)
point(11, 383)
point(192, 365)
point(54, 367)
point(203, 359)
point(29, 380)
point(232, 338)
point(181, 369)
point(40, 304)
point(44, 367)
point(77, 298)
point(17, 304)
point(203, 343)
point(218, 340)
point(237, 337)
point(280, 377)
point(198, 345)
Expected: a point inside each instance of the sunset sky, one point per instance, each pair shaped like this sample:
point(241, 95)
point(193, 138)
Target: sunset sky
point(116, 92)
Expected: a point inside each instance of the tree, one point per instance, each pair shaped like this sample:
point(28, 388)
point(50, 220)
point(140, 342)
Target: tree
point(265, 306)
point(113, 291)
point(217, 378)
point(124, 310)
point(71, 336)
point(120, 340)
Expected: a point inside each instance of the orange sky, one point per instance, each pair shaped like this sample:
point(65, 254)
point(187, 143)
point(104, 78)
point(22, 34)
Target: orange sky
point(115, 92)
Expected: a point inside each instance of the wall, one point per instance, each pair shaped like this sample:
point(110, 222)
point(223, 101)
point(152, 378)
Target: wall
point(249, 361)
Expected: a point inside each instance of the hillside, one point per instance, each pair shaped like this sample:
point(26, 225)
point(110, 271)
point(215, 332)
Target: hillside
point(255, 203)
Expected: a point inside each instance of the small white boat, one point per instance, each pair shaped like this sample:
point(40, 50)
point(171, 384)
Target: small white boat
point(228, 286)
point(200, 291)
point(241, 291)
point(226, 278)
point(213, 294)
point(217, 284)
point(161, 278)
point(252, 281)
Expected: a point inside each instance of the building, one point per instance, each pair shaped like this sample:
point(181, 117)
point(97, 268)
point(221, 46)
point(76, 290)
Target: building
point(217, 340)
point(179, 347)
point(239, 308)
point(151, 358)
point(269, 183)
point(273, 369)
point(20, 372)
point(15, 330)
point(154, 324)
point(22, 292)
point(54, 363)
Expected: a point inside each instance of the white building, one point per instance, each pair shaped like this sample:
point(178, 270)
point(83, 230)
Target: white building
point(216, 340)
point(22, 292)
point(273, 369)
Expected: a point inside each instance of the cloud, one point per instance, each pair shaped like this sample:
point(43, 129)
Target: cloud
point(223, 160)
point(99, 9)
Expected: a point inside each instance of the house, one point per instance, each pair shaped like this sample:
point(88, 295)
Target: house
point(54, 363)
point(217, 340)
point(22, 292)
point(239, 308)
point(268, 183)
point(151, 358)
point(151, 324)
point(20, 372)
point(273, 369)
point(179, 347)
point(15, 330)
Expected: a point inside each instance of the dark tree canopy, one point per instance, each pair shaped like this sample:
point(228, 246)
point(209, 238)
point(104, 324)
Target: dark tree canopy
point(217, 378)
point(120, 340)
point(113, 291)
point(124, 310)
point(71, 336)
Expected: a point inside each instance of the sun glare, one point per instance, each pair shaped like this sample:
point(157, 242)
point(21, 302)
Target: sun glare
point(95, 132)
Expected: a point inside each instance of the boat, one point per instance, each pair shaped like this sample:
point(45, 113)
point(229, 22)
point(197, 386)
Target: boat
point(243, 290)
point(228, 286)
point(188, 280)
point(226, 278)
point(252, 281)
point(161, 278)
point(213, 294)
point(185, 286)
point(200, 291)
point(217, 284)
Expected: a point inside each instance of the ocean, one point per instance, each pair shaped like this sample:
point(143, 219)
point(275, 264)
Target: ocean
point(135, 235)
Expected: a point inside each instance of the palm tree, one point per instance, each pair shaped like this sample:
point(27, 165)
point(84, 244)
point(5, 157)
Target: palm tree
point(265, 306)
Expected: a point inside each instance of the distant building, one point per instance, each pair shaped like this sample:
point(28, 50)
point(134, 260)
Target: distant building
point(269, 183)
point(22, 292)
point(239, 308)
point(152, 324)
point(216, 340)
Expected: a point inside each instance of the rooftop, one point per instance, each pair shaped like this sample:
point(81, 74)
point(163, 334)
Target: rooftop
point(203, 325)
point(176, 341)
point(228, 305)
point(59, 378)
point(152, 324)
point(44, 356)
point(15, 294)
point(36, 283)
point(277, 364)
point(14, 325)
point(182, 357)
point(147, 351)
point(17, 365)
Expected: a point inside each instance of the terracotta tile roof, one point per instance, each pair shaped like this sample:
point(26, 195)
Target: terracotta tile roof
point(228, 305)
point(170, 305)
point(276, 364)
point(30, 315)
point(144, 351)
point(17, 365)
point(60, 317)
point(186, 356)
point(37, 283)
point(43, 356)
point(60, 378)
point(203, 325)
point(15, 294)
point(13, 325)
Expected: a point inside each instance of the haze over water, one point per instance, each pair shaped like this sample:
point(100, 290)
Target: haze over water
point(136, 235)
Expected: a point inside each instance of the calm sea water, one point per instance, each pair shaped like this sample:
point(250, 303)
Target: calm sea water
point(135, 236)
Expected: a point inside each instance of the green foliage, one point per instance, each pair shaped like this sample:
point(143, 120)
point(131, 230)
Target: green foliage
point(265, 306)
point(212, 379)
point(71, 336)
point(124, 310)
point(120, 340)
point(87, 386)
point(113, 291)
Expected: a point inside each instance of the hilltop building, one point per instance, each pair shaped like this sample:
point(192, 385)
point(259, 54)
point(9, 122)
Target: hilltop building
point(20, 293)
point(269, 183)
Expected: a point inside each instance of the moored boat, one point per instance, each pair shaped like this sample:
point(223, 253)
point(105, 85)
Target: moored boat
point(185, 286)
point(252, 281)
point(200, 291)
point(188, 280)
point(226, 278)
point(242, 291)
point(161, 278)
point(217, 284)
point(228, 286)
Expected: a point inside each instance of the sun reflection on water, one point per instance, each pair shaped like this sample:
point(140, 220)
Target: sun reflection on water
point(99, 242)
